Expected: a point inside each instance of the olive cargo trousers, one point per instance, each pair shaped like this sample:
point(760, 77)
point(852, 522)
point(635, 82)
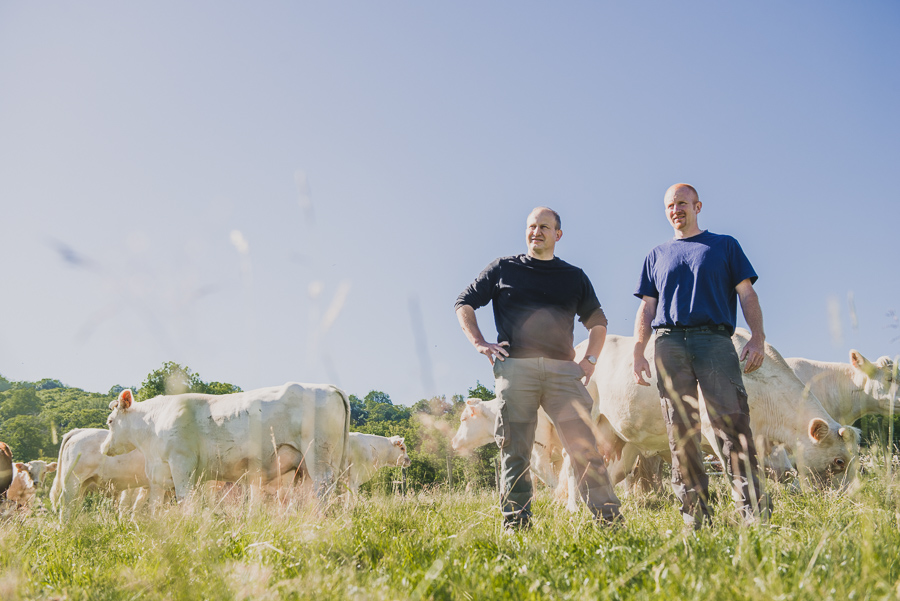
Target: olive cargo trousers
point(523, 385)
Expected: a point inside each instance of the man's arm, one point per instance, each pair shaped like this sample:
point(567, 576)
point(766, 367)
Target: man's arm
point(466, 316)
point(596, 338)
point(755, 350)
point(642, 334)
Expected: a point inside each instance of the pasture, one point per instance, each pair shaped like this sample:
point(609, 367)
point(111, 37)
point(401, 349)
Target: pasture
point(447, 544)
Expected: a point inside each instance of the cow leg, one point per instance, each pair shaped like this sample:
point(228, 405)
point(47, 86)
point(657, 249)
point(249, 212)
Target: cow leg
point(318, 462)
point(131, 500)
point(156, 496)
point(619, 468)
point(287, 460)
point(778, 465)
point(71, 490)
point(184, 474)
point(541, 465)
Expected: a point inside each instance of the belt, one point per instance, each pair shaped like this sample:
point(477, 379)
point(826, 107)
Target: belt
point(715, 328)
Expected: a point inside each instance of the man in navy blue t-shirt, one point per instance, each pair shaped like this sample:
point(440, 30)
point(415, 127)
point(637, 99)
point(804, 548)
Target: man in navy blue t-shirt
point(536, 297)
point(689, 289)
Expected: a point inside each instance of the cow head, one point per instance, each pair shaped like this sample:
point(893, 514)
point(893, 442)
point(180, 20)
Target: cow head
point(403, 459)
point(878, 380)
point(476, 425)
point(828, 456)
point(118, 441)
point(37, 469)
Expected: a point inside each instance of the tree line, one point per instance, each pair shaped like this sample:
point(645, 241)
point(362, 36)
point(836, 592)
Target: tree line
point(34, 417)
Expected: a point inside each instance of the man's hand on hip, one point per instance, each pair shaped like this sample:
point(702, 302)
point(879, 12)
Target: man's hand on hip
point(588, 368)
point(492, 350)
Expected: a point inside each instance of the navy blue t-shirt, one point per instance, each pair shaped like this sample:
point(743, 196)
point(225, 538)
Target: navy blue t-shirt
point(694, 280)
point(535, 303)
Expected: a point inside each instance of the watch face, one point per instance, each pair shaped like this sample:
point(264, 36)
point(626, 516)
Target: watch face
point(592, 359)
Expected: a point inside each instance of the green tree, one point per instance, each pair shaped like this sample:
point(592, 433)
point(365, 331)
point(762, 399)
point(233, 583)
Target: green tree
point(219, 388)
point(21, 401)
point(480, 391)
point(48, 384)
point(5, 384)
point(379, 412)
point(28, 437)
point(173, 378)
point(381, 409)
point(376, 396)
point(436, 405)
point(359, 415)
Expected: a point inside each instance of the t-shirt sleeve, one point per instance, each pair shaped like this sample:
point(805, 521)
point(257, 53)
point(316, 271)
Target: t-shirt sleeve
point(588, 310)
point(480, 292)
point(646, 285)
point(741, 269)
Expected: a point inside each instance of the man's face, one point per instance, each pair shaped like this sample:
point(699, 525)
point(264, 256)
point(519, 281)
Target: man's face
point(681, 209)
point(541, 234)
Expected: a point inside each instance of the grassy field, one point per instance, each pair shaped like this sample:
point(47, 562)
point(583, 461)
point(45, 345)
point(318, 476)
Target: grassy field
point(448, 545)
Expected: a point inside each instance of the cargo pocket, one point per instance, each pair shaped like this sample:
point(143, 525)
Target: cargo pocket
point(741, 394)
point(501, 426)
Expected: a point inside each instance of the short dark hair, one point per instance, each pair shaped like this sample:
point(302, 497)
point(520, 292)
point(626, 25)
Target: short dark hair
point(555, 215)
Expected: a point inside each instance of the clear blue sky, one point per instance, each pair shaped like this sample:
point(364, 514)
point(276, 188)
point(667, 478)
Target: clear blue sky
point(298, 191)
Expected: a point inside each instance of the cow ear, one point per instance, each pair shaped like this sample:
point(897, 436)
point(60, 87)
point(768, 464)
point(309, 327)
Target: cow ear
point(397, 440)
point(818, 429)
point(849, 434)
point(861, 363)
point(472, 401)
point(22, 467)
point(126, 398)
point(51, 467)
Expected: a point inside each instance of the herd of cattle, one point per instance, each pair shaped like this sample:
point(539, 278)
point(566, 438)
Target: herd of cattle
point(274, 438)
point(170, 444)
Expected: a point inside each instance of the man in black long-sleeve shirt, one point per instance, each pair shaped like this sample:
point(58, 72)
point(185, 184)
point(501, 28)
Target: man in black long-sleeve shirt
point(536, 297)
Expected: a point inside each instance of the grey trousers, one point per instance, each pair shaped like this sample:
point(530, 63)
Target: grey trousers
point(523, 385)
point(684, 360)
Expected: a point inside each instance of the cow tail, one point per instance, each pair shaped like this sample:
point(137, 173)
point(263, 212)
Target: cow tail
point(58, 483)
point(345, 456)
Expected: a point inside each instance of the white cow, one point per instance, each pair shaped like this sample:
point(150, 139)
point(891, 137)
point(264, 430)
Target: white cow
point(264, 433)
point(38, 469)
point(82, 467)
point(781, 414)
point(21, 489)
point(476, 429)
point(849, 391)
point(370, 452)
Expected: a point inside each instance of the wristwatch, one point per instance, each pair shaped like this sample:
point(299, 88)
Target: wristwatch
point(591, 359)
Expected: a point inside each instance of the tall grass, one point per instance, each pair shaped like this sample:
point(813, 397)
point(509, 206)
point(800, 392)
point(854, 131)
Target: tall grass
point(444, 544)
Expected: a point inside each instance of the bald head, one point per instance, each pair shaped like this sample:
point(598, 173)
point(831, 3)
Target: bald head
point(682, 207)
point(686, 191)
